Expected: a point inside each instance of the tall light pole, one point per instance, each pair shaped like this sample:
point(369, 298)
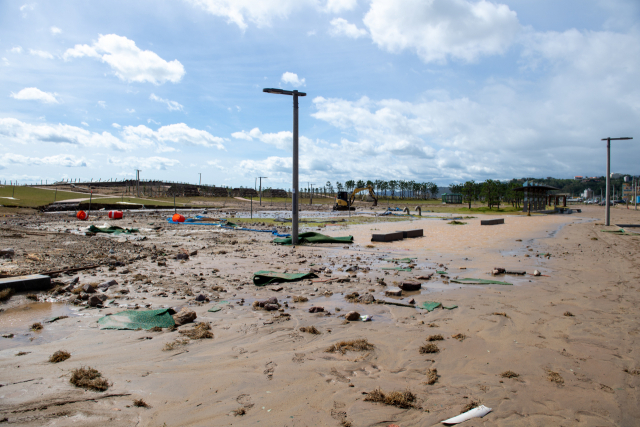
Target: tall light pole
point(607, 219)
point(200, 182)
point(138, 182)
point(294, 193)
point(310, 192)
point(260, 193)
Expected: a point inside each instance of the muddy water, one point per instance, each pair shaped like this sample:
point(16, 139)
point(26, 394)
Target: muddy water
point(18, 321)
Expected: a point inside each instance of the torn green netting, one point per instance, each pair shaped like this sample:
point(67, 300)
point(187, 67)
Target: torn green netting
point(396, 268)
point(400, 259)
point(114, 229)
point(311, 237)
point(431, 305)
point(261, 278)
point(442, 272)
point(468, 281)
point(137, 319)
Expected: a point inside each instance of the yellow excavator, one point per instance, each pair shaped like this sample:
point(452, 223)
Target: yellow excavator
point(344, 201)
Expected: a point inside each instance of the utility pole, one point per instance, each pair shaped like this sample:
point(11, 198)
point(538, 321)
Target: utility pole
point(138, 182)
point(260, 177)
point(200, 182)
point(294, 192)
point(310, 193)
point(607, 220)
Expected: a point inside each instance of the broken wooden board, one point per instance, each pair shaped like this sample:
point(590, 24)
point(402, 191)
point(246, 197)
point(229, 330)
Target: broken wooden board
point(33, 282)
point(387, 237)
point(492, 221)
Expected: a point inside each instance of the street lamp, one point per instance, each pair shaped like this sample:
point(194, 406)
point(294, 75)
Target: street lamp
point(608, 201)
point(260, 194)
point(294, 204)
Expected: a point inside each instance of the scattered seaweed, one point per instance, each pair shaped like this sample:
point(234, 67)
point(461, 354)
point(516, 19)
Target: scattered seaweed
point(454, 222)
point(175, 344)
point(632, 371)
point(568, 314)
point(310, 330)
point(32, 297)
point(353, 345)
point(509, 374)
point(59, 356)
point(5, 294)
point(300, 299)
point(469, 406)
point(437, 337)
point(240, 411)
point(89, 379)
point(37, 326)
point(401, 399)
point(22, 353)
point(140, 403)
point(352, 297)
point(433, 325)
point(429, 348)
point(555, 377)
point(155, 329)
point(432, 376)
point(496, 313)
point(201, 331)
point(459, 337)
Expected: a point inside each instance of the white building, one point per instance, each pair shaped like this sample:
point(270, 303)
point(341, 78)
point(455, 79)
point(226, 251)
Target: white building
point(587, 194)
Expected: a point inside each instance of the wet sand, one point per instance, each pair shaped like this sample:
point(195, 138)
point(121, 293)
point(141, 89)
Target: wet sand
point(262, 362)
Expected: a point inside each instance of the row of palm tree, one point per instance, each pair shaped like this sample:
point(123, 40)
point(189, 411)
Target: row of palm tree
point(403, 189)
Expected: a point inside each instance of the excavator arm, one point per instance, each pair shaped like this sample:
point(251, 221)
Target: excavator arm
point(352, 198)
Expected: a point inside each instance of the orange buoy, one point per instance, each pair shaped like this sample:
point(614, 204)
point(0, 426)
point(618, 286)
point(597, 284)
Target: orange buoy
point(82, 215)
point(115, 214)
point(177, 218)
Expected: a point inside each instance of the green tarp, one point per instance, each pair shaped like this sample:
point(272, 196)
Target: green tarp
point(312, 237)
point(218, 306)
point(480, 282)
point(442, 272)
point(114, 229)
point(396, 268)
point(261, 278)
point(449, 307)
point(430, 305)
point(137, 319)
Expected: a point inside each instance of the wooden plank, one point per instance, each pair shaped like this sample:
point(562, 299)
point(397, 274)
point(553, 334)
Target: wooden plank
point(33, 282)
point(388, 237)
point(412, 233)
point(492, 221)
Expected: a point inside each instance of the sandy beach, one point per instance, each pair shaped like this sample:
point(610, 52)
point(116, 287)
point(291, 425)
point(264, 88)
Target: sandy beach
point(570, 335)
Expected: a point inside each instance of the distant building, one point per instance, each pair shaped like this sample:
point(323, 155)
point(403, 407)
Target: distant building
point(616, 175)
point(587, 194)
point(578, 177)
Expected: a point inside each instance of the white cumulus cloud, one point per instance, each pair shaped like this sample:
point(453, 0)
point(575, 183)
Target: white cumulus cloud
point(16, 49)
point(337, 6)
point(55, 30)
point(64, 160)
point(41, 53)
point(171, 105)
point(178, 133)
point(35, 94)
point(158, 163)
point(282, 140)
point(128, 62)
point(341, 27)
point(441, 29)
point(292, 79)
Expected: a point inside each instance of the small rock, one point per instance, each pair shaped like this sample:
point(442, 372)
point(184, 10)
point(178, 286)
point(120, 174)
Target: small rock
point(352, 316)
point(193, 253)
point(410, 286)
point(536, 273)
point(184, 316)
point(201, 298)
point(96, 300)
point(412, 301)
point(276, 288)
point(498, 270)
point(7, 335)
point(105, 285)
point(316, 309)
point(162, 263)
point(271, 307)
point(182, 256)
point(88, 289)
point(366, 299)
point(393, 292)
point(7, 253)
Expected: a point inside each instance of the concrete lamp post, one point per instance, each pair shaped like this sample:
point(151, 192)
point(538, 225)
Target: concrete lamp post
point(607, 220)
point(294, 193)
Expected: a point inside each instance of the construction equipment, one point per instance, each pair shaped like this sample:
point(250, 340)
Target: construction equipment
point(344, 201)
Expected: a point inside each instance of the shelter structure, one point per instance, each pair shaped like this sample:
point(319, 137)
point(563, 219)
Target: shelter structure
point(554, 199)
point(535, 195)
point(452, 198)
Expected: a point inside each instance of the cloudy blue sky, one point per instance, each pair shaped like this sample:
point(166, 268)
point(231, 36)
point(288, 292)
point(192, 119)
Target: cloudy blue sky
point(429, 90)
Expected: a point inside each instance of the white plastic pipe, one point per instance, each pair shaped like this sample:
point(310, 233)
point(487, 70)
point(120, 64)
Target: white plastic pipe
point(478, 412)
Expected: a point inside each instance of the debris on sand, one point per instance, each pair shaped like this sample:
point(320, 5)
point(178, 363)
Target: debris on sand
point(632, 371)
point(568, 314)
point(432, 376)
point(88, 378)
point(201, 331)
point(37, 326)
point(310, 330)
point(240, 411)
point(400, 399)
point(495, 313)
point(437, 337)
point(352, 316)
point(354, 345)
point(469, 406)
point(555, 377)
point(5, 294)
point(429, 348)
point(459, 337)
point(59, 356)
point(316, 309)
point(140, 403)
point(184, 316)
point(175, 344)
point(454, 222)
point(32, 297)
point(300, 299)
point(270, 304)
point(509, 374)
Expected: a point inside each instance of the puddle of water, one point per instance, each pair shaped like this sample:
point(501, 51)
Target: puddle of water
point(18, 321)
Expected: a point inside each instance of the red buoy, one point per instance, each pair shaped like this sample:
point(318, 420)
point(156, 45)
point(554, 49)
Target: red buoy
point(177, 218)
point(115, 214)
point(82, 215)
